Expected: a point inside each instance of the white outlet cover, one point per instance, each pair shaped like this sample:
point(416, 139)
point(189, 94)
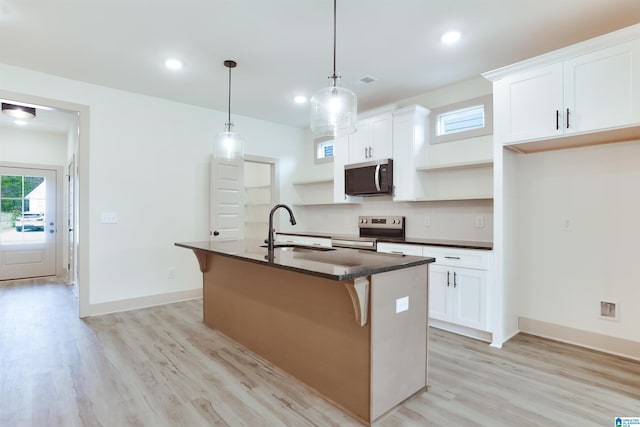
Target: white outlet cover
point(402, 304)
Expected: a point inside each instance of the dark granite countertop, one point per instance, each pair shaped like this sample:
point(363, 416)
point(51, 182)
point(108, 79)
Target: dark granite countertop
point(335, 264)
point(464, 244)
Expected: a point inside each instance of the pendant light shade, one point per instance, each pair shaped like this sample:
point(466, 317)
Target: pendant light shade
point(334, 109)
point(18, 111)
point(229, 145)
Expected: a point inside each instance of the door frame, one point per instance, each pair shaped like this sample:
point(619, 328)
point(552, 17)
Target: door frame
point(81, 189)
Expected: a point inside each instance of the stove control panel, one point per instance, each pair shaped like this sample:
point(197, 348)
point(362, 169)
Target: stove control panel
point(393, 222)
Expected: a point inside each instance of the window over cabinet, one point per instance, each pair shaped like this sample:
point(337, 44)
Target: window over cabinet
point(323, 149)
point(466, 119)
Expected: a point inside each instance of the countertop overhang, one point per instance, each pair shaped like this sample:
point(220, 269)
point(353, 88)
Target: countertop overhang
point(335, 264)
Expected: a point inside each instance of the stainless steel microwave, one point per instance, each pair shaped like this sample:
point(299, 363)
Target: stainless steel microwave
point(369, 178)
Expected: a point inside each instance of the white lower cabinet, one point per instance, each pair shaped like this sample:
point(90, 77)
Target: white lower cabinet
point(458, 286)
point(458, 295)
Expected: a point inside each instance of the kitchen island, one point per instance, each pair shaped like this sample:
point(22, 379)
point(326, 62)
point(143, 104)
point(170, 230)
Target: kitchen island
point(351, 324)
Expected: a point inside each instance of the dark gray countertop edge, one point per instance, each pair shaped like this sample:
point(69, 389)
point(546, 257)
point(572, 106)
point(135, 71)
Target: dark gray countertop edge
point(340, 277)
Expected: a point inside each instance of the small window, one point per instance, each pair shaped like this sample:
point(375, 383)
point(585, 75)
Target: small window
point(462, 120)
point(323, 150)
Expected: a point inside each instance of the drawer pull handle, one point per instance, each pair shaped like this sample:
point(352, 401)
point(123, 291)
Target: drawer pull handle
point(452, 257)
point(397, 252)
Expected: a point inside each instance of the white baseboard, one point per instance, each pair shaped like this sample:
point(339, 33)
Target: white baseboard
point(461, 330)
point(142, 302)
point(592, 340)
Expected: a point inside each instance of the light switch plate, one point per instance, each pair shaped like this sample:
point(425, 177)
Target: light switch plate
point(109, 218)
point(402, 304)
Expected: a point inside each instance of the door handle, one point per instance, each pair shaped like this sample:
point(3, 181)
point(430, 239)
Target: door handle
point(448, 283)
point(567, 118)
point(557, 119)
point(378, 177)
point(216, 233)
point(455, 284)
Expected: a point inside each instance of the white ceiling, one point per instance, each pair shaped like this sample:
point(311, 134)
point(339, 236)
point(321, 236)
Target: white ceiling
point(284, 47)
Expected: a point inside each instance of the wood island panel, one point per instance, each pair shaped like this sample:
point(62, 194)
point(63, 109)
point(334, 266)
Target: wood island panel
point(303, 324)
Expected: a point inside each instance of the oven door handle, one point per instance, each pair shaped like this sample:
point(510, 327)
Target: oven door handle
point(377, 177)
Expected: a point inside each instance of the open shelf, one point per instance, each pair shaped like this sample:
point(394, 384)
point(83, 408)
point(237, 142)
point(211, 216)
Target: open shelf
point(313, 181)
point(454, 166)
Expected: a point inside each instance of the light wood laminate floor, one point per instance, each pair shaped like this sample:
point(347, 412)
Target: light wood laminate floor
point(162, 366)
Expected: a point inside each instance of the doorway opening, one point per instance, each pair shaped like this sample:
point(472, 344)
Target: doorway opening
point(71, 122)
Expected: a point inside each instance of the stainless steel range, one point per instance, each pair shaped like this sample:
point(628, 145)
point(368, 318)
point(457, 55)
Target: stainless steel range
point(371, 229)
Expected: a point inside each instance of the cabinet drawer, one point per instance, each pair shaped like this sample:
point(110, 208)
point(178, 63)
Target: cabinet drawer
point(468, 258)
point(400, 248)
point(318, 241)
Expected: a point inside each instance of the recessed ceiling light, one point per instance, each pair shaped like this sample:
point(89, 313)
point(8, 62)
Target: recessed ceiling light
point(20, 122)
point(450, 37)
point(300, 99)
point(173, 64)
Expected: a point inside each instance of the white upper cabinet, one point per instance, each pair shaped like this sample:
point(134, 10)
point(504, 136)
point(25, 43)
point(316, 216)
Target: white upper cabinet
point(409, 134)
point(584, 94)
point(599, 89)
point(373, 140)
point(533, 102)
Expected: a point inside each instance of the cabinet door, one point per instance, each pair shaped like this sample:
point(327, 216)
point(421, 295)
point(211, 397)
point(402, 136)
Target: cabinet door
point(381, 145)
point(439, 292)
point(359, 142)
point(372, 140)
point(470, 298)
point(532, 103)
point(599, 90)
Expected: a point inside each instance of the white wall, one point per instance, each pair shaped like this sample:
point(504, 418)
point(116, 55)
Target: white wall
point(148, 162)
point(25, 146)
point(449, 219)
point(579, 233)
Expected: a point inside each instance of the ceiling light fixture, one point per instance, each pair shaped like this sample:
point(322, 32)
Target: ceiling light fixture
point(334, 109)
point(173, 64)
point(300, 99)
point(229, 145)
point(19, 111)
point(450, 37)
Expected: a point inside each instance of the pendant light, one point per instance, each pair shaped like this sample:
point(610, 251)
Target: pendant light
point(229, 144)
point(19, 111)
point(334, 109)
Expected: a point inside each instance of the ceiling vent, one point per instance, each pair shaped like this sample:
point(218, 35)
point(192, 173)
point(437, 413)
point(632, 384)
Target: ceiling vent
point(367, 79)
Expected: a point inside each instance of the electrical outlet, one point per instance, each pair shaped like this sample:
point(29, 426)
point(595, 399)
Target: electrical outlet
point(427, 221)
point(608, 310)
point(480, 221)
point(172, 273)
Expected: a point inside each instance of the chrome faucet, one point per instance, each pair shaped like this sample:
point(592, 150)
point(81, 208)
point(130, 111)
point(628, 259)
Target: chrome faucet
point(270, 239)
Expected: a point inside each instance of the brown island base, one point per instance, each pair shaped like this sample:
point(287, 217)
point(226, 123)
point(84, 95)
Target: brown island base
point(350, 324)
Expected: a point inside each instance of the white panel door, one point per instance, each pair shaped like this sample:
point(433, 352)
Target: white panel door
point(227, 199)
point(28, 222)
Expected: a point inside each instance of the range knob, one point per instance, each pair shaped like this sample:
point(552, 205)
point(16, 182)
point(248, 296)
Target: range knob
point(363, 221)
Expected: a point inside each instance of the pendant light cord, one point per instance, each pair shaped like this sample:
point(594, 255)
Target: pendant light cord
point(334, 77)
point(229, 104)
